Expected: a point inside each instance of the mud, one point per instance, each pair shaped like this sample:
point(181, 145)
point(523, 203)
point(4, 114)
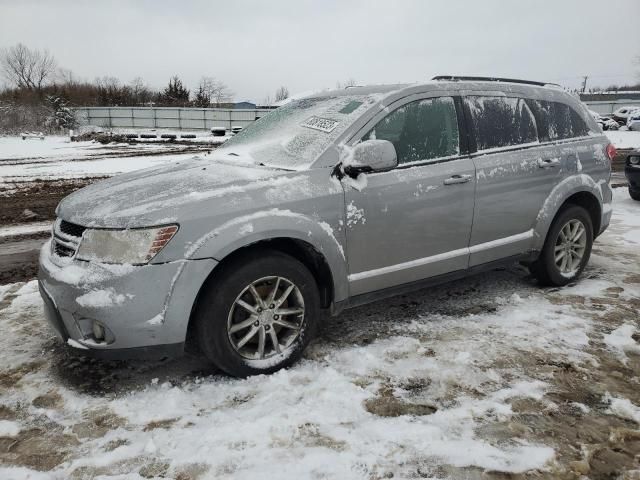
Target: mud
point(19, 257)
point(24, 202)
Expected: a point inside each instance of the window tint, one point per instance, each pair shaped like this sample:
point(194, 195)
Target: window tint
point(556, 120)
point(501, 121)
point(420, 130)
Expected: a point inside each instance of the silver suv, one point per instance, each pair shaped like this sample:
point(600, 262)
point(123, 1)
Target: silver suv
point(328, 202)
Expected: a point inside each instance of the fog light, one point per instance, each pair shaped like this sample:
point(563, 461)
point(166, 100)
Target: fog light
point(98, 331)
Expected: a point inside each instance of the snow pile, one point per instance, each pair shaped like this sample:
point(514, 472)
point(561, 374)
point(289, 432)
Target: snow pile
point(620, 341)
point(623, 408)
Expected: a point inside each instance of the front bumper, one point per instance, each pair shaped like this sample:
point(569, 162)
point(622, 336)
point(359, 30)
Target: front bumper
point(144, 310)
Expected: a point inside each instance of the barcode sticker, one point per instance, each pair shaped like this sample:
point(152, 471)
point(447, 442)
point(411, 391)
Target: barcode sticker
point(322, 124)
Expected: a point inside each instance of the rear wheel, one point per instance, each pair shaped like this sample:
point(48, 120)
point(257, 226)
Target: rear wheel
point(635, 194)
point(566, 249)
point(258, 314)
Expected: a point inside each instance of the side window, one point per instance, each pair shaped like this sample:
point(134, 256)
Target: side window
point(578, 125)
point(557, 121)
point(420, 130)
point(501, 121)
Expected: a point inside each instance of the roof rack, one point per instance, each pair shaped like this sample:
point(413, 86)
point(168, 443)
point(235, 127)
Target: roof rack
point(455, 78)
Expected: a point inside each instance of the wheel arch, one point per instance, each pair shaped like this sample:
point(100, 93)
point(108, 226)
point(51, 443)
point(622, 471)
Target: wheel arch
point(580, 190)
point(301, 250)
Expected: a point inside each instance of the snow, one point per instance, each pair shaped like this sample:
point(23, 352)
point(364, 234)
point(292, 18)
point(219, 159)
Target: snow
point(327, 228)
point(9, 428)
point(58, 157)
point(25, 229)
point(313, 420)
point(621, 342)
point(102, 298)
point(355, 215)
point(622, 407)
point(67, 271)
point(624, 139)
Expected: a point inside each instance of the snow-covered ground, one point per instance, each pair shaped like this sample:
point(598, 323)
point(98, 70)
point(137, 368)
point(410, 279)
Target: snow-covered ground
point(623, 139)
point(486, 375)
point(58, 157)
point(24, 229)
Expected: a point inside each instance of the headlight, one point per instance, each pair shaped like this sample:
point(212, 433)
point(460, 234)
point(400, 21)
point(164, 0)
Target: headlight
point(137, 246)
point(634, 159)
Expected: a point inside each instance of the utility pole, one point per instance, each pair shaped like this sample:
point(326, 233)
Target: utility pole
point(584, 83)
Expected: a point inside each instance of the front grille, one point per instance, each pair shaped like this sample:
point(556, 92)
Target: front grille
point(71, 228)
point(63, 251)
point(66, 238)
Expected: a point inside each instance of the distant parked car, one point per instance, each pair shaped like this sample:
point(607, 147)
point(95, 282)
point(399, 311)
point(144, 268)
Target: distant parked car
point(621, 114)
point(337, 200)
point(236, 129)
point(633, 122)
point(218, 131)
point(605, 123)
point(632, 171)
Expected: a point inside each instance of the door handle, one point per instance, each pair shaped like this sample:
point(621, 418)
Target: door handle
point(455, 179)
point(548, 162)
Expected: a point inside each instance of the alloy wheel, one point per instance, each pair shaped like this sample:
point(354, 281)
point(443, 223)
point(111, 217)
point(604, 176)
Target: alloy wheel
point(570, 247)
point(266, 318)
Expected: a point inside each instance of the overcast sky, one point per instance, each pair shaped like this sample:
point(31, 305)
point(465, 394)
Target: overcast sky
point(256, 46)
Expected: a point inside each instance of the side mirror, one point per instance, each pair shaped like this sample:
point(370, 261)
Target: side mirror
point(371, 156)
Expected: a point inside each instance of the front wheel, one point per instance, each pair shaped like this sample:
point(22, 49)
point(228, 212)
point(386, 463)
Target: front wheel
point(635, 194)
point(258, 314)
point(566, 249)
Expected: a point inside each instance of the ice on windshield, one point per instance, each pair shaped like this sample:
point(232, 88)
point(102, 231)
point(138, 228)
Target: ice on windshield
point(294, 135)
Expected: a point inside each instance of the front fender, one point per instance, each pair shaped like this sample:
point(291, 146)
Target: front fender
point(560, 193)
point(272, 223)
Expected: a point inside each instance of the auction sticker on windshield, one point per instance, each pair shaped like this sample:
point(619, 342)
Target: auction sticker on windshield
point(322, 124)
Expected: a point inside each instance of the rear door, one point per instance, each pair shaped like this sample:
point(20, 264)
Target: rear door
point(514, 172)
point(412, 222)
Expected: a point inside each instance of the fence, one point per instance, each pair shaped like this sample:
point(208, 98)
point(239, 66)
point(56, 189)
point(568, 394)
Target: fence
point(165, 117)
point(605, 107)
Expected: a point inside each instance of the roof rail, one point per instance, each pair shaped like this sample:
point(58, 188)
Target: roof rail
point(455, 78)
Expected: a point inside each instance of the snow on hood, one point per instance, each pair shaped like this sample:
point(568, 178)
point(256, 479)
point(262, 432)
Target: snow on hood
point(149, 196)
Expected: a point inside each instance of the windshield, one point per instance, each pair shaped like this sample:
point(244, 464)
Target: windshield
point(294, 135)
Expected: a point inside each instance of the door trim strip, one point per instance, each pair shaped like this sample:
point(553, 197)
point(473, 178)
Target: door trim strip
point(501, 241)
point(419, 262)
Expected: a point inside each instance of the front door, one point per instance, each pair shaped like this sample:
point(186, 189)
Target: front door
point(413, 222)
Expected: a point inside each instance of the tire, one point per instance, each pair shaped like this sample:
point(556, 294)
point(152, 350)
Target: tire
point(222, 323)
point(545, 268)
point(635, 194)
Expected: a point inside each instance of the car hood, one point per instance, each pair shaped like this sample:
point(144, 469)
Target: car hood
point(159, 195)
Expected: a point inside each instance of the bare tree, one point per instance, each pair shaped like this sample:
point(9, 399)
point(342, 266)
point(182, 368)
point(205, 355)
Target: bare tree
point(26, 68)
point(215, 90)
point(65, 77)
point(282, 94)
point(140, 93)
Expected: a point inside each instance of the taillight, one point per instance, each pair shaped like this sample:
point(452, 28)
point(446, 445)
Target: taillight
point(611, 152)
